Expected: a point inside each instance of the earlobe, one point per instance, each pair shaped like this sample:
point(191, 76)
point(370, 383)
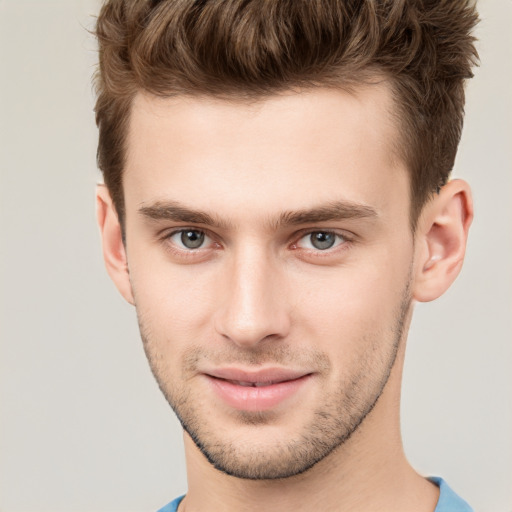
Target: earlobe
point(114, 253)
point(441, 240)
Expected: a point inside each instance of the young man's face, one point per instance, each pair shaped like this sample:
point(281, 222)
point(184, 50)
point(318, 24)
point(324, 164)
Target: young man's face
point(270, 255)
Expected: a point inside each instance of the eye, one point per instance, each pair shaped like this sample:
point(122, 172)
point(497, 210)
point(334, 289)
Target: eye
point(189, 239)
point(320, 240)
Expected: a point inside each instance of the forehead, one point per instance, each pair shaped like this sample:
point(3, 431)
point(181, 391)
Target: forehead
point(304, 148)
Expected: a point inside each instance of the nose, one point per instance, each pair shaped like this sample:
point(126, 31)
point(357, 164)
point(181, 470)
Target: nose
point(254, 308)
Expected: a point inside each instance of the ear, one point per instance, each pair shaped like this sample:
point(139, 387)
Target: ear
point(441, 238)
point(114, 252)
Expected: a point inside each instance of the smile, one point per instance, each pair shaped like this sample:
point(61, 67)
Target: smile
point(252, 384)
point(256, 391)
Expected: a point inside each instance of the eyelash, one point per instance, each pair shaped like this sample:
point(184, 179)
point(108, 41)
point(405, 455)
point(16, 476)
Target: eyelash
point(185, 253)
point(307, 234)
point(346, 241)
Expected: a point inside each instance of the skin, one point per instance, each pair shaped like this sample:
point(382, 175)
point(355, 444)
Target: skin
point(257, 179)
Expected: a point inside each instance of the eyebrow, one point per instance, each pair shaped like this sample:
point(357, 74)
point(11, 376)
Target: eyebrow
point(177, 212)
point(333, 211)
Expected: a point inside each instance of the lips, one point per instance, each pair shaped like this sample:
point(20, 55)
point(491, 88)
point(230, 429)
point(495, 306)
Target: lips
point(253, 384)
point(261, 376)
point(256, 390)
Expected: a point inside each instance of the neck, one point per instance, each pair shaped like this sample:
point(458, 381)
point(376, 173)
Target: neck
point(369, 472)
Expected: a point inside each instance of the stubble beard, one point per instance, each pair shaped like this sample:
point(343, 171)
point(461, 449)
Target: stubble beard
point(340, 414)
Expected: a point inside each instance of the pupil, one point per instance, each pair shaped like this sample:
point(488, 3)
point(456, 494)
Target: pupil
point(192, 239)
point(322, 240)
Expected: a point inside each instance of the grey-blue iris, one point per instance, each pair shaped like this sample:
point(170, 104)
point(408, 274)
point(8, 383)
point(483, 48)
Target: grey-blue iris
point(192, 239)
point(322, 239)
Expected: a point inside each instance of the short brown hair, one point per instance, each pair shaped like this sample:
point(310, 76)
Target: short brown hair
point(254, 48)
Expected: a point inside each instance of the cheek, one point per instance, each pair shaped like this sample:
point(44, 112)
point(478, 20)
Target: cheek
point(174, 302)
point(343, 313)
point(352, 305)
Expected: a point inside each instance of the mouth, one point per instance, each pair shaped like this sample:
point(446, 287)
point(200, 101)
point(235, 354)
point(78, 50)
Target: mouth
point(252, 384)
point(256, 391)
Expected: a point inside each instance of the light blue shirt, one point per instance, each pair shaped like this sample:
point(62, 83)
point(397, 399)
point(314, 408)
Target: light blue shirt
point(448, 500)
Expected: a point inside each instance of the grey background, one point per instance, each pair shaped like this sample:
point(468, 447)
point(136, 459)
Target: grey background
point(82, 424)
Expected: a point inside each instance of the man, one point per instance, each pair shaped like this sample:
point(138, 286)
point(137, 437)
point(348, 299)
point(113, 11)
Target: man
point(276, 199)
